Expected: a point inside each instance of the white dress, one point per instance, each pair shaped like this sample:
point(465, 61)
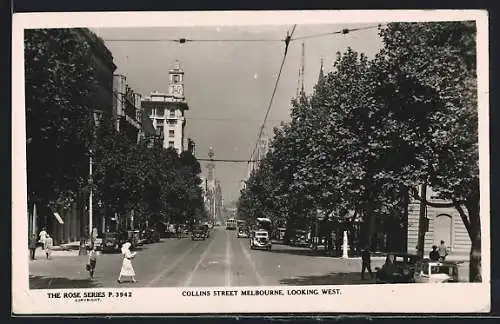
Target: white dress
point(127, 268)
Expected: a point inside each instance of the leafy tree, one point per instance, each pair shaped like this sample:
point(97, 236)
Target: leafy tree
point(440, 57)
point(59, 84)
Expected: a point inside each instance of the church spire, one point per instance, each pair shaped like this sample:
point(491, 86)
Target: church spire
point(321, 74)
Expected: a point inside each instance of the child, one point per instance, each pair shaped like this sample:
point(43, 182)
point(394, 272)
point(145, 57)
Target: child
point(92, 261)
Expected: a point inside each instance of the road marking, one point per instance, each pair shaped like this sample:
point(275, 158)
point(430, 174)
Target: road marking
point(228, 260)
point(203, 256)
point(252, 264)
point(173, 265)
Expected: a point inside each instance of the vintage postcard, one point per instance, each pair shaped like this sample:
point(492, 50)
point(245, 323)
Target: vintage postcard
point(251, 162)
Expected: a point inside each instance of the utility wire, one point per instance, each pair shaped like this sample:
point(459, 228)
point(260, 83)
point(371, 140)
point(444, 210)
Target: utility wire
point(343, 31)
point(225, 160)
point(287, 43)
point(233, 120)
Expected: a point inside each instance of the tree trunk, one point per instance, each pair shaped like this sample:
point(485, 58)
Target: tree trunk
point(475, 251)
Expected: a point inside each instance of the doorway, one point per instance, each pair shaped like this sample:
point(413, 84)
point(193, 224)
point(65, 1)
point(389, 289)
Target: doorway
point(443, 229)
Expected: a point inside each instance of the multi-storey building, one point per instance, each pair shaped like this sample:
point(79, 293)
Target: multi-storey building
point(127, 109)
point(166, 110)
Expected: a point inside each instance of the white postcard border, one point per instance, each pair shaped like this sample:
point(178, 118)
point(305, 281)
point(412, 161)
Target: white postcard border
point(461, 298)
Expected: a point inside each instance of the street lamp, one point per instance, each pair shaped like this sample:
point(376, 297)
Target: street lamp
point(90, 195)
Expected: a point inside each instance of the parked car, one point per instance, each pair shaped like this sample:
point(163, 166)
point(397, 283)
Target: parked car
point(299, 239)
point(111, 242)
point(428, 271)
point(133, 238)
point(151, 236)
point(242, 232)
point(401, 270)
point(198, 233)
point(260, 240)
point(141, 239)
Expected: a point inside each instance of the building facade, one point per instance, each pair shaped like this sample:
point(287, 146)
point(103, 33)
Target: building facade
point(444, 224)
point(166, 110)
point(127, 109)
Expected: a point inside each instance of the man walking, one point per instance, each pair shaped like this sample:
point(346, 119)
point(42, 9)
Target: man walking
point(32, 246)
point(366, 263)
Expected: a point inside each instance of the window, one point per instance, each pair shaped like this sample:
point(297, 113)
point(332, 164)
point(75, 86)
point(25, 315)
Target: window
point(171, 144)
point(159, 122)
point(176, 78)
point(159, 130)
point(172, 113)
point(171, 133)
point(172, 121)
point(160, 112)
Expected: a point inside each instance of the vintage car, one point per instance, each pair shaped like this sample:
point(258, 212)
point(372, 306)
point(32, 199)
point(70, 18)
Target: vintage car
point(150, 236)
point(140, 238)
point(299, 238)
point(198, 233)
point(428, 271)
point(111, 242)
point(400, 271)
point(260, 239)
point(207, 230)
point(242, 232)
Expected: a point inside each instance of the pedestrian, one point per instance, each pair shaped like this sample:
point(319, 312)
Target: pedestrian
point(43, 237)
point(434, 254)
point(32, 246)
point(127, 269)
point(443, 251)
point(366, 263)
point(49, 243)
point(92, 261)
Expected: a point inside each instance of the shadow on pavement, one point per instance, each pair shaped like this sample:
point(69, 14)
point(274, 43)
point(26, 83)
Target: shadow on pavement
point(349, 278)
point(38, 282)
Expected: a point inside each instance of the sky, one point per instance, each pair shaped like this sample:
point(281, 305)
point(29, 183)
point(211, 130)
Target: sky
point(228, 85)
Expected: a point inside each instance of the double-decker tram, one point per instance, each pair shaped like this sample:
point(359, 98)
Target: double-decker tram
point(231, 224)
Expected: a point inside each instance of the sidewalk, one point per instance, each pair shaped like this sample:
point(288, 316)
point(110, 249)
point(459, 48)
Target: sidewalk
point(58, 251)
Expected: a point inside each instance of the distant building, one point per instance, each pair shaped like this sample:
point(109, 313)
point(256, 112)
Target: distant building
point(260, 153)
point(166, 110)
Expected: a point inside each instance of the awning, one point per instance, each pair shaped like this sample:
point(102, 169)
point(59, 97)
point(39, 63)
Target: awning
point(59, 219)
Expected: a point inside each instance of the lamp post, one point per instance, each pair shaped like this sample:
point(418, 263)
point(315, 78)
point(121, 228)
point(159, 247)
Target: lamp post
point(90, 196)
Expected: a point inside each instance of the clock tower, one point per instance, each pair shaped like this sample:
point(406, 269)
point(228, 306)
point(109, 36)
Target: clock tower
point(176, 81)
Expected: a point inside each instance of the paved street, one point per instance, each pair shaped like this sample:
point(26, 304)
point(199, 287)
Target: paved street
point(221, 260)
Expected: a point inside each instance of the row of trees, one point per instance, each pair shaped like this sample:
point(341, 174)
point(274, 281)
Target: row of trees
point(375, 129)
point(62, 132)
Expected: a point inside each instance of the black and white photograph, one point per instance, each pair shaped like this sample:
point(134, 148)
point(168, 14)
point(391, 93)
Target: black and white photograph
point(242, 161)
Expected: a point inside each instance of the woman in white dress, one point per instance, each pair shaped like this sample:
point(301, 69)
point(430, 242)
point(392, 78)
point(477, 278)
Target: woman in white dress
point(127, 268)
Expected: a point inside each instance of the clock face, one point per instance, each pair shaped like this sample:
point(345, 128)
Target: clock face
point(178, 89)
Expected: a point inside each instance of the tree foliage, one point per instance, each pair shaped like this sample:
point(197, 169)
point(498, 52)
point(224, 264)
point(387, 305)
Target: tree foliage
point(58, 84)
point(62, 135)
point(373, 130)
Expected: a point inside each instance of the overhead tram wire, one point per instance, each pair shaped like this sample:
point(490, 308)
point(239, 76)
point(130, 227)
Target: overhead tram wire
point(343, 31)
point(226, 160)
point(287, 43)
point(338, 32)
